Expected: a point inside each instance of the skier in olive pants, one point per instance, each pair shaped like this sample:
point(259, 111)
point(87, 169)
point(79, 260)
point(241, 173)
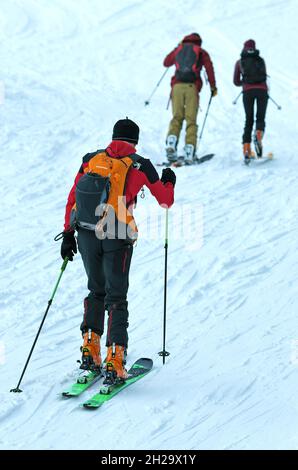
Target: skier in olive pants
point(188, 58)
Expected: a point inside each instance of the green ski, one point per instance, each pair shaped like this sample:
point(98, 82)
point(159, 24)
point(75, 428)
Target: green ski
point(137, 371)
point(83, 382)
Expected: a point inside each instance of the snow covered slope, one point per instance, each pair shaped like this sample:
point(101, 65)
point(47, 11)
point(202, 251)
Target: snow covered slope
point(70, 70)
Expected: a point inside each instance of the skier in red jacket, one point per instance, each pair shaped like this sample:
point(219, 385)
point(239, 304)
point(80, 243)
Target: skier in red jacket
point(250, 73)
point(107, 260)
point(188, 58)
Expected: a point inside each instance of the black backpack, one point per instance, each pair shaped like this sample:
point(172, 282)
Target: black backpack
point(187, 63)
point(92, 193)
point(252, 67)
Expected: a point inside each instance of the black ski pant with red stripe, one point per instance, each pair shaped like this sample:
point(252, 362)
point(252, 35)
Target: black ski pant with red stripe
point(107, 264)
point(250, 97)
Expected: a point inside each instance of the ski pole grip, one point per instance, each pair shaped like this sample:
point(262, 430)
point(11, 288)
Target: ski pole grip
point(64, 264)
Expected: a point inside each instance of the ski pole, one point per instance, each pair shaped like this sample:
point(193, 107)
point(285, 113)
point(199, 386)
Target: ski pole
point(236, 99)
point(206, 115)
point(17, 389)
point(169, 100)
point(276, 104)
point(165, 353)
point(147, 102)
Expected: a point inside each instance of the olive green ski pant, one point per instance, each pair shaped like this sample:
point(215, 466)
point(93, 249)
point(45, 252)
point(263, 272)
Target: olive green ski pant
point(185, 105)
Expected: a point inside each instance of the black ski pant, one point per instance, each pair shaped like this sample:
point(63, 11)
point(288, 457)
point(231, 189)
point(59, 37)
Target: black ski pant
point(249, 98)
point(107, 264)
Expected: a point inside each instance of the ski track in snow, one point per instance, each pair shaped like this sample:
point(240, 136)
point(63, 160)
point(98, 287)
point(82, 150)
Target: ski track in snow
point(70, 70)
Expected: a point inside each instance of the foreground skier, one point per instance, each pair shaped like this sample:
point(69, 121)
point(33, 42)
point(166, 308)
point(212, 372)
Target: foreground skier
point(250, 73)
point(99, 207)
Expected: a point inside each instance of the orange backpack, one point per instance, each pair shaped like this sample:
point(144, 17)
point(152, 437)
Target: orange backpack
point(100, 200)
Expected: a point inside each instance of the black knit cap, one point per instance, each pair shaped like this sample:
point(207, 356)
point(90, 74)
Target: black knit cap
point(126, 130)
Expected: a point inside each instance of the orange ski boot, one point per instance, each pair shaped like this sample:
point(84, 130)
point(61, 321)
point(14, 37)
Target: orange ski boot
point(258, 143)
point(246, 153)
point(91, 358)
point(115, 370)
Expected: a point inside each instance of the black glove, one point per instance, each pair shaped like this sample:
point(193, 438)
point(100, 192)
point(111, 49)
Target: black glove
point(168, 176)
point(68, 246)
point(213, 91)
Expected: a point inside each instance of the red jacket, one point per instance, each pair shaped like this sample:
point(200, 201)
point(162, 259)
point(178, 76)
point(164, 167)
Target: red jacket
point(204, 61)
point(146, 175)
